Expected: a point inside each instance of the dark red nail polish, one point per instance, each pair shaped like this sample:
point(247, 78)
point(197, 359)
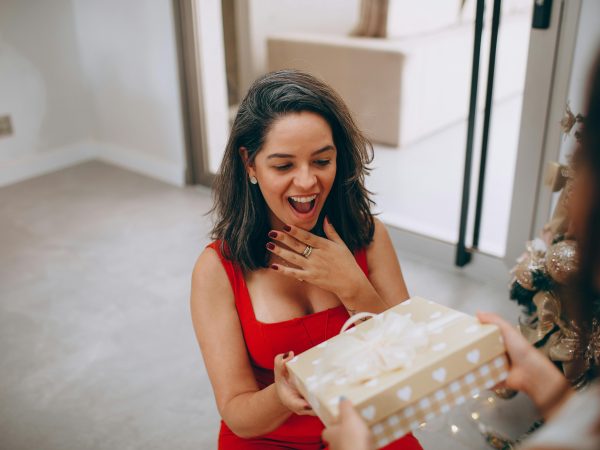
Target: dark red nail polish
point(287, 228)
point(270, 245)
point(272, 234)
point(274, 267)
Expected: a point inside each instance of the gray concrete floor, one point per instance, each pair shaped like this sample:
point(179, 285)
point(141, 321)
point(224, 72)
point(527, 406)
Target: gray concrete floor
point(96, 342)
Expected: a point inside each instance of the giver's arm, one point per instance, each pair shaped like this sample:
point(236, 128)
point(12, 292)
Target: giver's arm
point(530, 371)
point(247, 410)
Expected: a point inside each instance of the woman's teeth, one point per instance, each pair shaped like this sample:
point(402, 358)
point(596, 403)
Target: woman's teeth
point(310, 198)
point(303, 204)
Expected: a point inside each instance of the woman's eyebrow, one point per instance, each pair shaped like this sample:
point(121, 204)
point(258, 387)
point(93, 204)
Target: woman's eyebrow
point(316, 152)
point(324, 149)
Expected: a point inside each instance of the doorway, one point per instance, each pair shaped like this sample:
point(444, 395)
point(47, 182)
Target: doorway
point(418, 174)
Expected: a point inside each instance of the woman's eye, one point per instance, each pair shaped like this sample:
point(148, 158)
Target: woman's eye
point(283, 166)
point(323, 162)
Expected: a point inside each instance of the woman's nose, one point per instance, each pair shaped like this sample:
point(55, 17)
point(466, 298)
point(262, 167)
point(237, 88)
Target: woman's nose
point(305, 178)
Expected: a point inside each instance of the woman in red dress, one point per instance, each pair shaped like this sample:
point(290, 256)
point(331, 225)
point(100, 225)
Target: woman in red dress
point(296, 252)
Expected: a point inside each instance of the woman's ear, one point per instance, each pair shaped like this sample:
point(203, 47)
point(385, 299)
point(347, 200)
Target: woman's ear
point(246, 160)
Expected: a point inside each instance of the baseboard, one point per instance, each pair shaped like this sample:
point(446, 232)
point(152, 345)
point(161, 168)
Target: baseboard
point(442, 254)
point(139, 162)
point(41, 163)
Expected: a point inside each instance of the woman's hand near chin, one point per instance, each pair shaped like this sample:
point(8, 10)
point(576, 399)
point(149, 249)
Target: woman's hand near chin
point(329, 263)
point(287, 392)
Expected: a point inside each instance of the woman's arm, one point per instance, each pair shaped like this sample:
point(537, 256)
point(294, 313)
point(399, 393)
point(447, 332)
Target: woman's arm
point(384, 269)
point(385, 286)
point(247, 410)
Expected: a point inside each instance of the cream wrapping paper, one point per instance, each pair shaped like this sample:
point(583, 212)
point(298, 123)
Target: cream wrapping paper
point(460, 357)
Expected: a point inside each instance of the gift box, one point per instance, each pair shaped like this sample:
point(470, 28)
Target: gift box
point(402, 367)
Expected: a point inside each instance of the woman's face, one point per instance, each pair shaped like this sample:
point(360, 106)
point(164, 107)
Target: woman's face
point(295, 169)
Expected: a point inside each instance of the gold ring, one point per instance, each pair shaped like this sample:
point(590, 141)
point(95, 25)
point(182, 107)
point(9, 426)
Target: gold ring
point(307, 251)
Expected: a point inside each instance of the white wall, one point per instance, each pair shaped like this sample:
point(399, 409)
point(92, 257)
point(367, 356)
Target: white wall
point(42, 85)
point(129, 55)
point(90, 79)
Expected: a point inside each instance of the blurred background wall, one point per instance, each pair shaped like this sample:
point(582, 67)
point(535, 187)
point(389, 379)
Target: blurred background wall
point(88, 79)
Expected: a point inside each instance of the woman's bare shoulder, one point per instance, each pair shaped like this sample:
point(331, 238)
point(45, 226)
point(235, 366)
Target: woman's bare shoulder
point(209, 278)
point(381, 237)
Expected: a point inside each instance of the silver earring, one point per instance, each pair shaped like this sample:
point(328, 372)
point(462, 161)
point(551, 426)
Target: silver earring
point(253, 180)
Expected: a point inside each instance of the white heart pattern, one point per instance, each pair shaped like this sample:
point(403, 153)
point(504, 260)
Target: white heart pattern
point(368, 413)
point(473, 356)
point(472, 329)
point(312, 379)
point(439, 347)
point(405, 393)
point(439, 374)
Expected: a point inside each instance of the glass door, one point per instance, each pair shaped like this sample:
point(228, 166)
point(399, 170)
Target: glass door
point(407, 73)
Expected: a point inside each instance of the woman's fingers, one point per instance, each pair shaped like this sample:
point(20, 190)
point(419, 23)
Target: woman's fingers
point(298, 274)
point(507, 330)
point(347, 411)
point(331, 432)
point(286, 390)
point(331, 233)
point(297, 403)
point(349, 430)
point(288, 255)
point(278, 361)
point(288, 240)
point(487, 317)
point(280, 368)
point(305, 237)
point(512, 338)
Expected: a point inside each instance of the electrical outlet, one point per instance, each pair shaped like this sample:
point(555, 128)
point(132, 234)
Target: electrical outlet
point(5, 126)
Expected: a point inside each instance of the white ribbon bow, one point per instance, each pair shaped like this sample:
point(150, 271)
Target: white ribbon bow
point(391, 344)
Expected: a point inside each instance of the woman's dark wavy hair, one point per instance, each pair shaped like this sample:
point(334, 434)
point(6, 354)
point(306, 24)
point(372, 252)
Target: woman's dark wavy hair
point(588, 154)
point(241, 213)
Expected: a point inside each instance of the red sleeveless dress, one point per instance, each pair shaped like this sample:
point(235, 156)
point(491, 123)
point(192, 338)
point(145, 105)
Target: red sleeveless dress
point(264, 341)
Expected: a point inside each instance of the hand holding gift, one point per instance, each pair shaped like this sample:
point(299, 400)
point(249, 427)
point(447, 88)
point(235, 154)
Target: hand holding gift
point(530, 371)
point(288, 394)
point(349, 432)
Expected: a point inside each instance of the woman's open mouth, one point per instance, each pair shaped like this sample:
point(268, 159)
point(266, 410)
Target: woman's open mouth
point(303, 204)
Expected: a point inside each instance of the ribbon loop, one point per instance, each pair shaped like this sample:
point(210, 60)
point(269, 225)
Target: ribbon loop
point(390, 344)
